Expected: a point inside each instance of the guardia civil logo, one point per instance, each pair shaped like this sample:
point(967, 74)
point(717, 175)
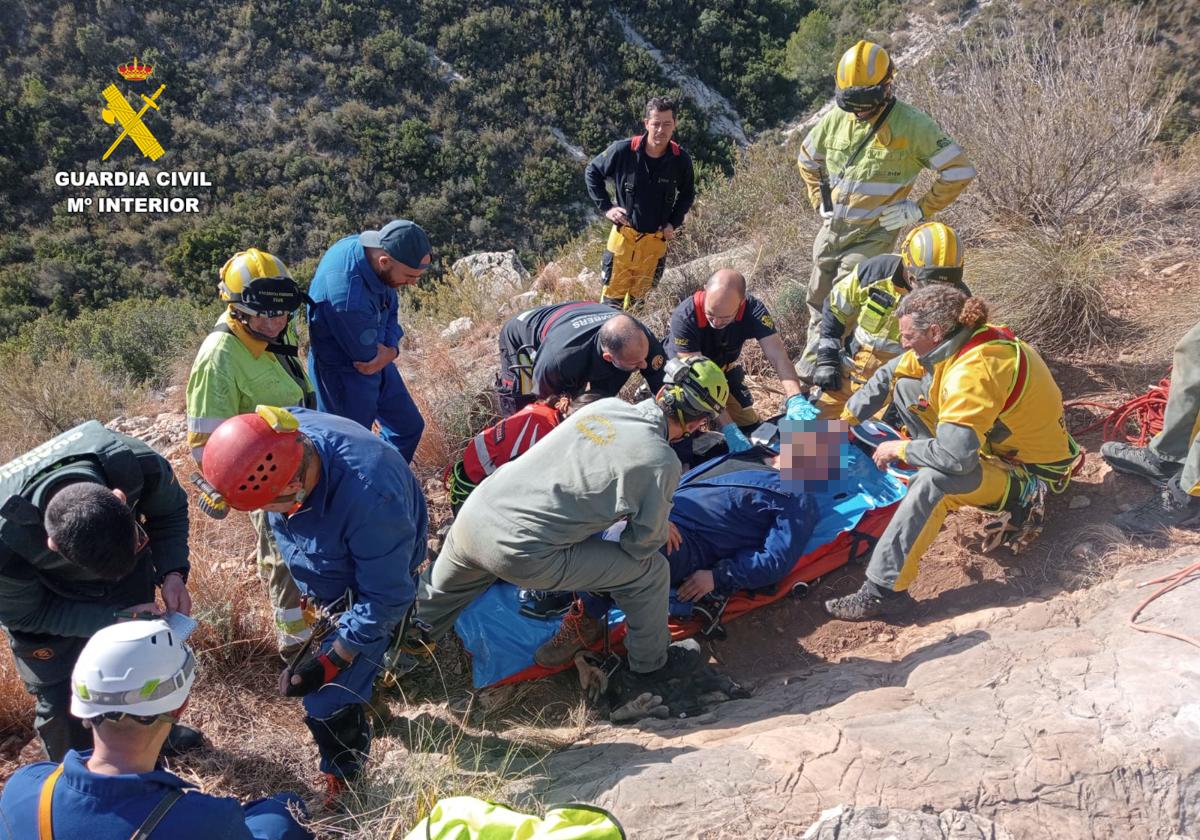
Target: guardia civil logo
point(136, 118)
point(119, 113)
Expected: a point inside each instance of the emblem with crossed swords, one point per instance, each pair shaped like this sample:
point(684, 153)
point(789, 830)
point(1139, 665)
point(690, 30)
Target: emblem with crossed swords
point(119, 110)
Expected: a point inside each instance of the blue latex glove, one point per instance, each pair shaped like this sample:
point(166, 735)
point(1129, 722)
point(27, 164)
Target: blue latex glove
point(799, 408)
point(735, 439)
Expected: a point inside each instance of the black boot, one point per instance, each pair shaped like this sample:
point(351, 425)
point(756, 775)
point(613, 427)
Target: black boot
point(869, 602)
point(1170, 507)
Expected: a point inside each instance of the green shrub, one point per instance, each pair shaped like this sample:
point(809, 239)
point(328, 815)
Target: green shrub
point(135, 341)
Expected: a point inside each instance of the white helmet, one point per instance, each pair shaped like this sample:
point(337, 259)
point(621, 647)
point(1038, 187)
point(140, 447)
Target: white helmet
point(136, 667)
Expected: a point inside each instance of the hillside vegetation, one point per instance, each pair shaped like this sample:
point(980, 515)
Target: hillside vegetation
point(317, 118)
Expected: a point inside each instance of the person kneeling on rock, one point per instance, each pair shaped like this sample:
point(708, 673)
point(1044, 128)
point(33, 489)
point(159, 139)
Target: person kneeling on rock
point(986, 418)
point(534, 522)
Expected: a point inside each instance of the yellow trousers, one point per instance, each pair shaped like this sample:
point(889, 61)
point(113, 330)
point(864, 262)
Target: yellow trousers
point(631, 264)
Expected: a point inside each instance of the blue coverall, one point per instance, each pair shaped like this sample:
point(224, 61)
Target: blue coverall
point(100, 807)
point(362, 530)
point(353, 312)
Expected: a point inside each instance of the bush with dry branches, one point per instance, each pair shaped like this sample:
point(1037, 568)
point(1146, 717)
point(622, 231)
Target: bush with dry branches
point(1052, 288)
point(1056, 116)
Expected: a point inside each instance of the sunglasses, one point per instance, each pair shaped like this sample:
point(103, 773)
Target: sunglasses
point(141, 538)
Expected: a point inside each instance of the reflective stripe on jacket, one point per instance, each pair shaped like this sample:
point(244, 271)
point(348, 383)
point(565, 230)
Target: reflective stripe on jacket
point(885, 171)
point(233, 373)
point(865, 302)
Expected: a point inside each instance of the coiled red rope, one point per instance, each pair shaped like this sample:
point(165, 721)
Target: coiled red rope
point(1144, 413)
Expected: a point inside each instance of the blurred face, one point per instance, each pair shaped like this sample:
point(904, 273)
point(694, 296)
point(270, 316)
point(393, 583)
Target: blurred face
point(810, 453)
point(396, 274)
point(921, 342)
point(270, 326)
point(632, 357)
point(660, 126)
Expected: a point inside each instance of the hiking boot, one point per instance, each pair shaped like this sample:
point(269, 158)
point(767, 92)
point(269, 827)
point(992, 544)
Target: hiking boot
point(1139, 461)
point(537, 603)
point(181, 739)
point(684, 686)
point(578, 631)
point(710, 609)
point(1170, 507)
point(865, 605)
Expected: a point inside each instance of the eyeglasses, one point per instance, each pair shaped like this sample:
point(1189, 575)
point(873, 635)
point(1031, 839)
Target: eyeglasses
point(141, 538)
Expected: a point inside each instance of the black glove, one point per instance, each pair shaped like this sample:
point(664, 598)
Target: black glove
point(313, 674)
point(827, 377)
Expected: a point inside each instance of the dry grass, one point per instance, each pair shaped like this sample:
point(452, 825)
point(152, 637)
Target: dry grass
point(43, 398)
point(1054, 289)
point(1100, 551)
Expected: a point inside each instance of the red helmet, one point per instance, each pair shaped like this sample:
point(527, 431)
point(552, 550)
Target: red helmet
point(250, 458)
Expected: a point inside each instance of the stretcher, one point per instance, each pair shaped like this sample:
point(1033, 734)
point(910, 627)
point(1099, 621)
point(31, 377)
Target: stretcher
point(854, 511)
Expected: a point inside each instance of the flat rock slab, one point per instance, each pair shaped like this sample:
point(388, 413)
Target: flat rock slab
point(1052, 719)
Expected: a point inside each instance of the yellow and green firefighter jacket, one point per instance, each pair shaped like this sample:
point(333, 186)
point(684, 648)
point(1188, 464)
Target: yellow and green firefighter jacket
point(234, 372)
point(886, 169)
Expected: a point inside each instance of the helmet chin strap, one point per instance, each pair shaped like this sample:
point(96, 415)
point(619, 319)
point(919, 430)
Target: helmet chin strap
point(244, 320)
point(301, 494)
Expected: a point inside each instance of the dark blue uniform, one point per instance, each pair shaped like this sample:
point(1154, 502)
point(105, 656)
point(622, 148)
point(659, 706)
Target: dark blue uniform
point(653, 191)
point(692, 333)
point(362, 529)
point(100, 807)
point(556, 350)
point(352, 312)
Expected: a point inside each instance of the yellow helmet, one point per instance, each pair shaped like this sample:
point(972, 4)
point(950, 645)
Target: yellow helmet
point(254, 282)
point(694, 387)
point(863, 75)
point(931, 254)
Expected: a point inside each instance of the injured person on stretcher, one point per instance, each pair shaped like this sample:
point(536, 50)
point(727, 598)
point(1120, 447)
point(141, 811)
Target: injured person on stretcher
point(737, 523)
point(750, 527)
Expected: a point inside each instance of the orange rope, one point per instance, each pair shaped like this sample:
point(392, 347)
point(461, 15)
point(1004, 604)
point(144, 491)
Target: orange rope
point(1175, 579)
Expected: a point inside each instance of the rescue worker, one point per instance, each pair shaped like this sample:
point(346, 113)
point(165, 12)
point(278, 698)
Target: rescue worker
point(739, 522)
point(251, 358)
point(501, 442)
point(91, 522)
point(986, 418)
point(866, 154)
point(130, 685)
point(534, 522)
point(716, 322)
point(1172, 460)
point(654, 187)
point(567, 348)
point(350, 521)
point(354, 330)
point(859, 333)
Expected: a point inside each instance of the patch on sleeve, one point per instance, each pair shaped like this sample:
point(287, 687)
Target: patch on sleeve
point(368, 337)
point(657, 362)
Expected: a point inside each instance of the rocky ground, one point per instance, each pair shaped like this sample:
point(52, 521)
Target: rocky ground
point(1052, 719)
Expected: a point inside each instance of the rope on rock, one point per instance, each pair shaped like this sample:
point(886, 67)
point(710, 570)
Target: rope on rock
point(1173, 580)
